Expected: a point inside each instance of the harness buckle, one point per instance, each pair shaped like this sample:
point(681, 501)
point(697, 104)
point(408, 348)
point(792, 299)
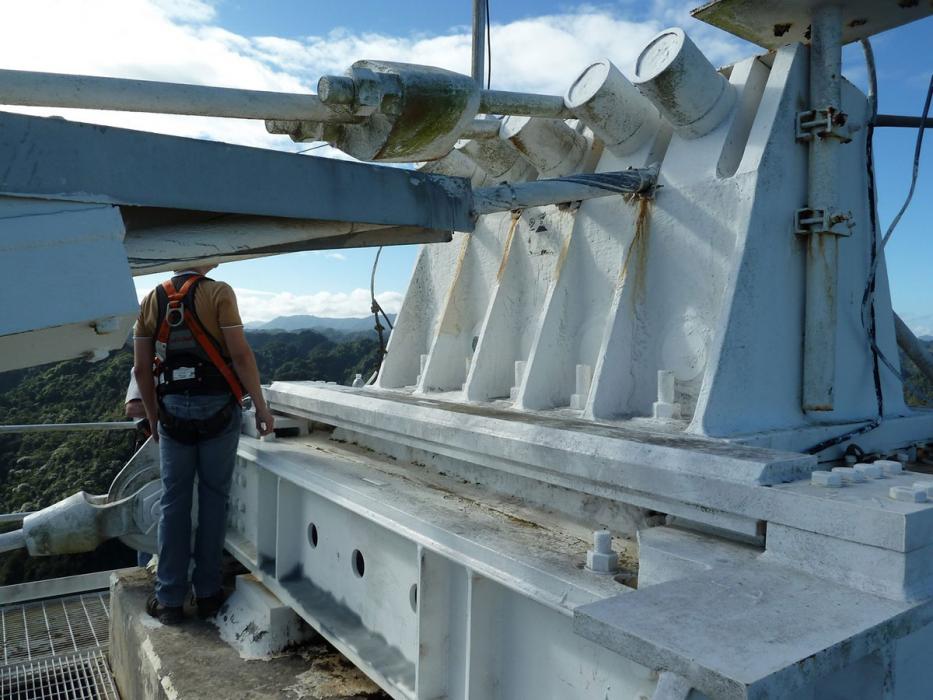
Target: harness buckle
point(175, 314)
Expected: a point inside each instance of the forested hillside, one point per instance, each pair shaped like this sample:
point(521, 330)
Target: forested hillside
point(38, 469)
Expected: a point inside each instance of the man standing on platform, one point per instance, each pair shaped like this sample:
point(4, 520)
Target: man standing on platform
point(193, 365)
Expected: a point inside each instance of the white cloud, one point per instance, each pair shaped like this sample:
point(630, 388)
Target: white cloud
point(330, 255)
point(263, 306)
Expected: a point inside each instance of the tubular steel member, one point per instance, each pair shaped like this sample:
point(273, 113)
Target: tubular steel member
point(612, 107)
point(566, 189)
point(549, 144)
point(913, 348)
point(53, 427)
point(34, 89)
point(523, 104)
point(821, 221)
point(675, 75)
point(478, 57)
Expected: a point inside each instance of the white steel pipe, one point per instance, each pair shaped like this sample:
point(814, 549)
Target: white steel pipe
point(612, 107)
point(10, 541)
point(675, 75)
point(50, 427)
point(553, 147)
point(478, 57)
point(481, 129)
point(523, 104)
point(121, 94)
point(573, 188)
point(15, 517)
point(819, 352)
point(500, 160)
point(913, 348)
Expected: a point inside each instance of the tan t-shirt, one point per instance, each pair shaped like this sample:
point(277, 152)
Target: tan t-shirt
point(214, 303)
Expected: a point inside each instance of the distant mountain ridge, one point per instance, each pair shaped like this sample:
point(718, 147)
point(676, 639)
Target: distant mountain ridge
point(303, 322)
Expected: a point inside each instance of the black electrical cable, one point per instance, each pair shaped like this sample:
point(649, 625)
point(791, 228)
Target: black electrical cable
point(377, 310)
point(488, 47)
point(868, 296)
point(313, 148)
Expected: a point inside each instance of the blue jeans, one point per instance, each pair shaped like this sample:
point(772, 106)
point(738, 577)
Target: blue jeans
point(212, 461)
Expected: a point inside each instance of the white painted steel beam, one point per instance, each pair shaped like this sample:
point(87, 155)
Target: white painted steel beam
point(59, 160)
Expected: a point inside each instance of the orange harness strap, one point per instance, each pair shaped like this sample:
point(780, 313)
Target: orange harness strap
point(175, 299)
point(200, 335)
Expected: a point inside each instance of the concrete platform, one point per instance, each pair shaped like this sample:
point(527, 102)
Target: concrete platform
point(151, 661)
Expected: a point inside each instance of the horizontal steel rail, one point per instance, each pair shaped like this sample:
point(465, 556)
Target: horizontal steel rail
point(71, 427)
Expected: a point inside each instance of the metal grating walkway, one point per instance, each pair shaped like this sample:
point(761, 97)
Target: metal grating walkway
point(55, 648)
point(83, 676)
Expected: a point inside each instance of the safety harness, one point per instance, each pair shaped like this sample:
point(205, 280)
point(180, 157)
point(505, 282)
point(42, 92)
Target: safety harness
point(189, 360)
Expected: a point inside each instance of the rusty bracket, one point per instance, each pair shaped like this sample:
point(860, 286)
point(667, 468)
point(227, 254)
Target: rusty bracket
point(828, 122)
point(813, 220)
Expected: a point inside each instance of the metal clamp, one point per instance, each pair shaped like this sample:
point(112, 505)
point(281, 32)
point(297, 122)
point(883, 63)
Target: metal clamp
point(811, 220)
point(827, 122)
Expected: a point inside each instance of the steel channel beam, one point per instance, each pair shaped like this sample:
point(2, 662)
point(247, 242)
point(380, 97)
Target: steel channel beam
point(435, 571)
point(56, 159)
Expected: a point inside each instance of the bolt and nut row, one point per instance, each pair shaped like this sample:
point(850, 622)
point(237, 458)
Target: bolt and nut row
point(918, 492)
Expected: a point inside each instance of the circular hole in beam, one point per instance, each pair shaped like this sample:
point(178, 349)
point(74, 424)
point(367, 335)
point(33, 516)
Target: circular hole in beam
point(358, 563)
point(413, 597)
point(312, 535)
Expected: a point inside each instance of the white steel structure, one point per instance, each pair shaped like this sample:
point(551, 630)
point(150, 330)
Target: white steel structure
point(664, 344)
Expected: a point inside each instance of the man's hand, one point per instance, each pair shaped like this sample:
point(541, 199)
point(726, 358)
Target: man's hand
point(265, 421)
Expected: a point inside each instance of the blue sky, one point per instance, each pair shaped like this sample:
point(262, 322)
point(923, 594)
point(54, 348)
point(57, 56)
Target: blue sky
point(537, 44)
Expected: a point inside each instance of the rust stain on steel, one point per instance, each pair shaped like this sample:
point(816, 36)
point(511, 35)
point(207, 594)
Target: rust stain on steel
point(638, 248)
point(508, 246)
point(565, 248)
point(448, 323)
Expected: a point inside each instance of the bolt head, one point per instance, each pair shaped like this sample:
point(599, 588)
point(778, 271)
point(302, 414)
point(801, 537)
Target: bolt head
point(871, 471)
point(908, 494)
point(849, 475)
point(602, 563)
point(890, 467)
point(830, 480)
